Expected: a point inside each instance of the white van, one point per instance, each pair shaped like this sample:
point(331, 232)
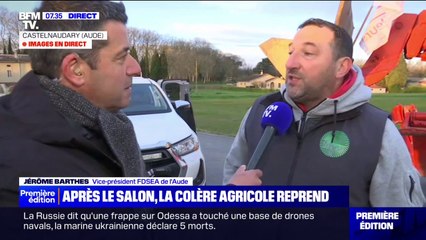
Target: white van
point(170, 148)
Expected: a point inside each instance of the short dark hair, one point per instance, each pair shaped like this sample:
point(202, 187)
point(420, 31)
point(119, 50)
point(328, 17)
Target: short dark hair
point(48, 61)
point(342, 45)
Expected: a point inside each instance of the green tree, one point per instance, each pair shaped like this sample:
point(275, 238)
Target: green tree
point(155, 72)
point(4, 49)
point(134, 53)
point(144, 64)
point(144, 70)
point(9, 47)
point(382, 83)
point(397, 79)
point(266, 66)
point(164, 72)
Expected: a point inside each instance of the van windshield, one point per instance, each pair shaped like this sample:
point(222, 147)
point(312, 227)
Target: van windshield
point(146, 99)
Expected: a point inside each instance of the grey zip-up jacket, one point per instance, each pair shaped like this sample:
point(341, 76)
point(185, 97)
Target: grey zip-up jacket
point(390, 185)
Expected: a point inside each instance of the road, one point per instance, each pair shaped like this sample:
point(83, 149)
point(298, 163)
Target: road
point(215, 148)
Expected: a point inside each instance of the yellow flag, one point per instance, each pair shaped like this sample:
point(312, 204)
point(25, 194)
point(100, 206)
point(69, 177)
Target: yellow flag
point(344, 17)
point(276, 49)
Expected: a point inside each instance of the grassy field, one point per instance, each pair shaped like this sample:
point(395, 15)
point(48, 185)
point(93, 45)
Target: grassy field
point(388, 101)
point(219, 109)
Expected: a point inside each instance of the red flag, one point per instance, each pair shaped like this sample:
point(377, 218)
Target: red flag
point(416, 44)
point(386, 58)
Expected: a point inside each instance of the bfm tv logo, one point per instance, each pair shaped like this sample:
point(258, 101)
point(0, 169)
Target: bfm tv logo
point(269, 110)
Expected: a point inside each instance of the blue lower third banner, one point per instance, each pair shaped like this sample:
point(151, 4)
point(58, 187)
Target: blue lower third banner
point(174, 223)
point(213, 223)
point(206, 212)
point(181, 196)
point(388, 223)
point(178, 212)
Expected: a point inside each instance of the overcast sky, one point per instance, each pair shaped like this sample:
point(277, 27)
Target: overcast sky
point(236, 27)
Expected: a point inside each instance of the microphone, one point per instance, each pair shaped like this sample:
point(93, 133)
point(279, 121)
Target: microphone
point(276, 119)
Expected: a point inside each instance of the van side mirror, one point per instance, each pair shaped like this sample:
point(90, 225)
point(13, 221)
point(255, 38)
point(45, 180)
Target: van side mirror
point(184, 110)
point(181, 104)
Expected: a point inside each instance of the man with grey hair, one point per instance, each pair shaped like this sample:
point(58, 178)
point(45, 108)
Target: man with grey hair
point(63, 118)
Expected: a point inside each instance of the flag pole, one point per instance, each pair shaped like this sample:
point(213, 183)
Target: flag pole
point(362, 26)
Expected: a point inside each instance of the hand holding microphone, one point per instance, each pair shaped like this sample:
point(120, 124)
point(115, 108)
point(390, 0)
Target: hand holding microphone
point(246, 178)
point(276, 119)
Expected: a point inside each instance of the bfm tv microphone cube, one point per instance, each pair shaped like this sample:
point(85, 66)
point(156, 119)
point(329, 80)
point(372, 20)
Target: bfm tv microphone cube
point(276, 119)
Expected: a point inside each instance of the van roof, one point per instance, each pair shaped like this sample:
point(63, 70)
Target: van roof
point(141, 80)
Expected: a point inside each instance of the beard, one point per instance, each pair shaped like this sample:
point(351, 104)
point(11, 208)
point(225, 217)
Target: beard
point(307, 90)
point(301, 93)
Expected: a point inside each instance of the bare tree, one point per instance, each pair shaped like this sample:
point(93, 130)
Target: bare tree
point(192, 60)
point(150, 41)
point(135, 39)
point(181, 60)
point(205, 56)
point(9, 27)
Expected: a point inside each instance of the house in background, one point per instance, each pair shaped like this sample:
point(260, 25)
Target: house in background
point(377, 89)
point(265, 81)
point(275, 83)
point(13, 67)
point(245, 84)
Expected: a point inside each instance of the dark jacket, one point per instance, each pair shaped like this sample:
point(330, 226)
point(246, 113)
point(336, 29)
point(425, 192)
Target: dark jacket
point(37, 141)
point(309, 159)
point(394, 183)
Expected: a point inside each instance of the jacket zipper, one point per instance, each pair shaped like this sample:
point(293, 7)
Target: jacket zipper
point(299, 143)
point(411, 188)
